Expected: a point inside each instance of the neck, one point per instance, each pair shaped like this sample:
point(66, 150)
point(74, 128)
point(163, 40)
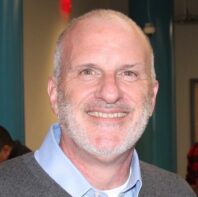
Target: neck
point(102, 173)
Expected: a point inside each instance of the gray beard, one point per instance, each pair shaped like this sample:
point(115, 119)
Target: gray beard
point(71, 127)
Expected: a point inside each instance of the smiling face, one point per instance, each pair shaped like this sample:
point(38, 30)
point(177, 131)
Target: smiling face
point(106, 94)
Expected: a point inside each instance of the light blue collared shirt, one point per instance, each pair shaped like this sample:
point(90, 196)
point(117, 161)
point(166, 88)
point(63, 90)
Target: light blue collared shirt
point(57, 165)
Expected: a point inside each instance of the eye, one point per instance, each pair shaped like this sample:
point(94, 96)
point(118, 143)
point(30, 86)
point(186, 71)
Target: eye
point(88, 74)
point(87, 71)
point(128, 75)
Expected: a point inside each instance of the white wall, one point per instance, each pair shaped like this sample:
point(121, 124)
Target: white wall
point(186, 62)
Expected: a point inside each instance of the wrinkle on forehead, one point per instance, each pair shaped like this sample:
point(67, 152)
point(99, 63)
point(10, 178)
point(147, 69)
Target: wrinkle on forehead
point(88, 29)
point(100, 27)
point(102, 24)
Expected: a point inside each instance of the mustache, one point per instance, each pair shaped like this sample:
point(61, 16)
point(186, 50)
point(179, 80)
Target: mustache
point(104, 105)
point(64, 102)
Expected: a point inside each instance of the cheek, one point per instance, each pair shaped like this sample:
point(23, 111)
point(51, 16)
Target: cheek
point(77, 98)
point(78, 92)
point(136, 93)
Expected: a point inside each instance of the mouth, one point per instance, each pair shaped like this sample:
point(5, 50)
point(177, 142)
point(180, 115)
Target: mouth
point(108, 115)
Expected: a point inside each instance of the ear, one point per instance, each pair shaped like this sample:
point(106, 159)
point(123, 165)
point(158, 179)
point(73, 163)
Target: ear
point(155, 87)
point(52, 93)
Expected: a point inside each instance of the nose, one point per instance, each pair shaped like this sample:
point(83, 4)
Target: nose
point(108, 89)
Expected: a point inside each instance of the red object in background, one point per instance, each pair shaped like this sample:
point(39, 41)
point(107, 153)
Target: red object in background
point(65, 7)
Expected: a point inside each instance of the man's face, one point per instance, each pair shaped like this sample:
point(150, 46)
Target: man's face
point(106, 95)
point(5, 152)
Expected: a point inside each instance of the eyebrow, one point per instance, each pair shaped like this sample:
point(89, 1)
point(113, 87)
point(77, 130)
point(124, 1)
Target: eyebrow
point(89, 65)
point(129, 66)
point(84, 66)
point(94, 66)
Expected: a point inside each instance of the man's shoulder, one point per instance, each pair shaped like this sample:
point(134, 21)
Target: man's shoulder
point(160, 182)
point(15, 165)
point(18, 171)
point(152, 170)
point(22, 176)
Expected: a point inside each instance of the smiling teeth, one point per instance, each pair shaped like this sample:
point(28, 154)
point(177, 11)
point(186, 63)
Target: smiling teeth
point(107, 115)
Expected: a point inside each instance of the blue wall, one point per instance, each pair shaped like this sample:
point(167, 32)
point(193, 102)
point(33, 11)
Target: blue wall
point(158, 144)
point(11, 68)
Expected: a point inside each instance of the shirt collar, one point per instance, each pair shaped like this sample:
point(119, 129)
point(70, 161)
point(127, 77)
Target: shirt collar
point(57, 165)
point(135, 180)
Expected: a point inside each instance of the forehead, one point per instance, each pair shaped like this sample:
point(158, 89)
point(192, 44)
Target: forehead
point(99, 27)
point(104, 35)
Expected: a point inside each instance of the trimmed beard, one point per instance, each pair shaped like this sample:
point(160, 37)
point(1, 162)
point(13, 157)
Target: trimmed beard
point(70, 125)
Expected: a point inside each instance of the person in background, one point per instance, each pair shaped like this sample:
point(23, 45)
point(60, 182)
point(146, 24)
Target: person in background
point(192, 167)
point(103, 92)
point(10, 148)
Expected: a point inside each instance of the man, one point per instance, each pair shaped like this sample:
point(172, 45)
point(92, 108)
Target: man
point(10, 148)
point(103, 92)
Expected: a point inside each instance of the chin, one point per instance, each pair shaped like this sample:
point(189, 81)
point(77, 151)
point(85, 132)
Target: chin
point(108, 149)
